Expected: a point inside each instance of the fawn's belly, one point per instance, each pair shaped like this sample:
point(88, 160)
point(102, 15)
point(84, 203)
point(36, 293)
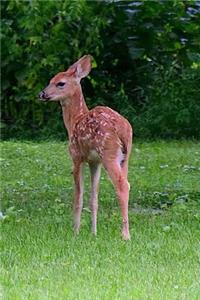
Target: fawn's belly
point(93, 156)
point(86, 151)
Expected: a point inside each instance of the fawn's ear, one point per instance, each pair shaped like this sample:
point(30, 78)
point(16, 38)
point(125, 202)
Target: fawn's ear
point(81, 68)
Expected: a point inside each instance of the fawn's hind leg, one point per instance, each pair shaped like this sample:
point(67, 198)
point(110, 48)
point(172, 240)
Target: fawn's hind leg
point(121, 186)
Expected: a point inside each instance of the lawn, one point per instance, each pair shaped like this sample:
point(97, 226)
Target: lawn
point(41, 258)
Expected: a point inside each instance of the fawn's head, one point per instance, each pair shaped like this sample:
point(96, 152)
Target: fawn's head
point(64, 85)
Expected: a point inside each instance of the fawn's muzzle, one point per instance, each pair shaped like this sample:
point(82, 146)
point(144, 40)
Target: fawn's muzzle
point(43, 96)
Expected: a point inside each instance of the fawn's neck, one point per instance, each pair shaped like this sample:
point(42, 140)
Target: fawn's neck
point(73, 109)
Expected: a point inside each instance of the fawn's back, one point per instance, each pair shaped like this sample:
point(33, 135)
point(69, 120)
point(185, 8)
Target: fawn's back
point(98, 131)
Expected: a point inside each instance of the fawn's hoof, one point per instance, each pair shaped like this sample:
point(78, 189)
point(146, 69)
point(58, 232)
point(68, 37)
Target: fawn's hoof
point(126, 236)
point(76, 230)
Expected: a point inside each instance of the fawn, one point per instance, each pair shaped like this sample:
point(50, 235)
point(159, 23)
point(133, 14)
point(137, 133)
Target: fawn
point(99, 136)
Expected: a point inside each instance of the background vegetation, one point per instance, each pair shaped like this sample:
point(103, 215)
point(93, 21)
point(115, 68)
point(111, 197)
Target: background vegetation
point(146, 59)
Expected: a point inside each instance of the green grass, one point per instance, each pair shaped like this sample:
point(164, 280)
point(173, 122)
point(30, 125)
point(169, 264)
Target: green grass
point(41, 258)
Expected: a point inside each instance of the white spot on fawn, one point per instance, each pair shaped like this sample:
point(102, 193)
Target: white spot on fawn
point(120, 157)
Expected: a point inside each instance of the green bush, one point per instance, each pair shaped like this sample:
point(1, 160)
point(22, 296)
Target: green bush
point(172, 104)
point(146, 55)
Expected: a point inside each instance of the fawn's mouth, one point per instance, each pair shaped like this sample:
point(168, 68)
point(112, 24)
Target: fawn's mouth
point(43, 97)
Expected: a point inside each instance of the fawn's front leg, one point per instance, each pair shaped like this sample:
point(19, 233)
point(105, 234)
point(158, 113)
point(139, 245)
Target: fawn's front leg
point(95, 170)
point(78, 197)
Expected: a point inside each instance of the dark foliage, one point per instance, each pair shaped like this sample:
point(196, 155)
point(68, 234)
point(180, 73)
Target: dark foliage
point(146, 63)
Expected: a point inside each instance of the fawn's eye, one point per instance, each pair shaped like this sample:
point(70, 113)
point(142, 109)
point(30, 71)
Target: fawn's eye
point(60, 84)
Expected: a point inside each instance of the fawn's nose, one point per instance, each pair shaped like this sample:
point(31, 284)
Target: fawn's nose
point(42, 95)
